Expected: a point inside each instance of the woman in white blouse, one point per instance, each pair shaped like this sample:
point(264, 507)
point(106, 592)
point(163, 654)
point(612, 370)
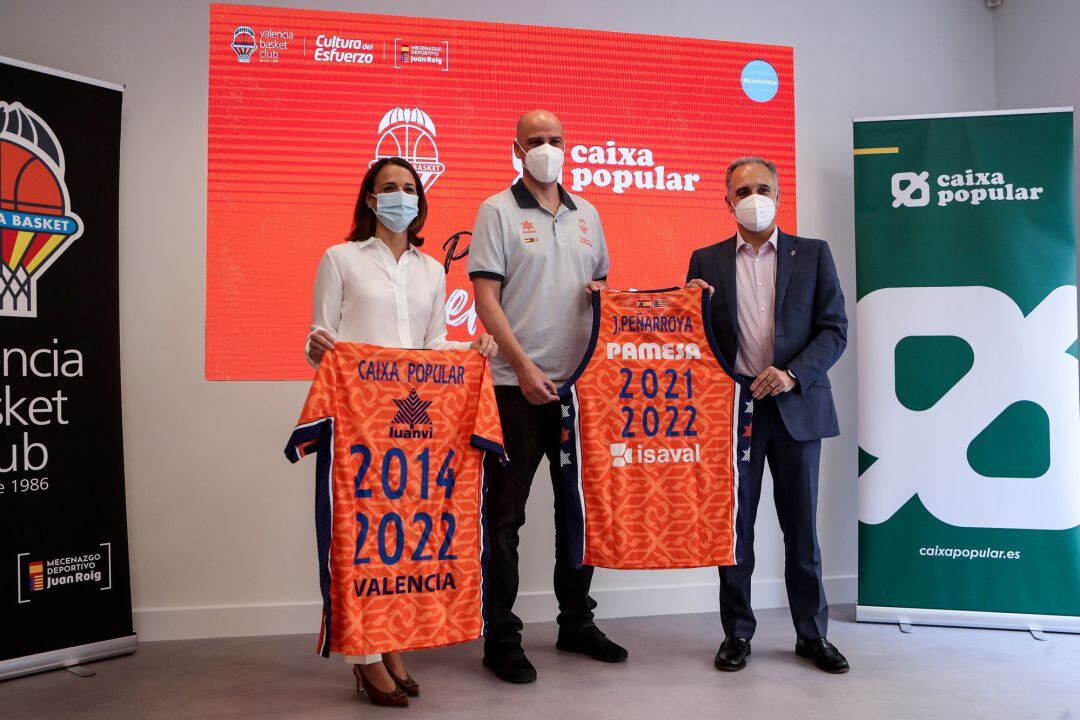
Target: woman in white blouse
point(378, 288)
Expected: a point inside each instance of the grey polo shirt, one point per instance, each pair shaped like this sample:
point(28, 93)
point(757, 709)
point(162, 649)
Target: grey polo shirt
point(544, 262)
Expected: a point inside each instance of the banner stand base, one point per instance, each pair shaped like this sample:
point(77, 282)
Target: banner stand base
point(67, 657)
point(1034, 624)
point(80, 671)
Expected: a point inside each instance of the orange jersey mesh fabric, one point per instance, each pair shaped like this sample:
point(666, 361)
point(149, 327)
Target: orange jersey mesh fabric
point(656, 437)
point(400, 437)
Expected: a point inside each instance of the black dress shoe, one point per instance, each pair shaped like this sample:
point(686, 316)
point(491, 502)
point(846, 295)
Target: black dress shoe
point(732, 654)
point(824, 654)
point(508, 662)
point(590, 641)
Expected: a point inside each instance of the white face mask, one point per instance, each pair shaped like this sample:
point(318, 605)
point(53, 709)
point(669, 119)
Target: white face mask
point(396, 210)
point(544, 162)
point(755, 212)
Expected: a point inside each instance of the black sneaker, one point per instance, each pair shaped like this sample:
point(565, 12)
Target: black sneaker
point(508, 662)
point(590, 641)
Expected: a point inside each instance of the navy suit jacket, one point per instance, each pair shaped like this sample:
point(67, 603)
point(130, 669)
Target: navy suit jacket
point(811, 324)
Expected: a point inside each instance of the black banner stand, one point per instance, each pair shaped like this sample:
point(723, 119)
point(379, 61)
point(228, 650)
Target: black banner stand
point(65, 591)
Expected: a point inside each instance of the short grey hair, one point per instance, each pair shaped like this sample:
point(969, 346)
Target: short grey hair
point(751, 160)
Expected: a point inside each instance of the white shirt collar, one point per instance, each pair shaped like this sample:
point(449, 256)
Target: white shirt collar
point(376, 242)
point(739, 242)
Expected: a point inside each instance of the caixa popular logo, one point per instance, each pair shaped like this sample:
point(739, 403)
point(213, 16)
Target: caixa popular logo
point(243, 43)
point(36, 221)
point(995, 447)
point(966, 187)
point(88, 569)
point(409, 133)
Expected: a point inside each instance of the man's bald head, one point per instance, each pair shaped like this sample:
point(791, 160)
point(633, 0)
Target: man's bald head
point(537, 119)
point(537, 127)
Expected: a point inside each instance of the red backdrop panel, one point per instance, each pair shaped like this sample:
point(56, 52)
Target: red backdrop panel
point(294, 127)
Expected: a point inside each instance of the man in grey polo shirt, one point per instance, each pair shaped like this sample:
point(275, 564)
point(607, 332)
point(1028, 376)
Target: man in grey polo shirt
point(537, 253)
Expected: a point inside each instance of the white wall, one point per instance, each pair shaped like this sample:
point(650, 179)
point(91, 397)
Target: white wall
point(220, 524)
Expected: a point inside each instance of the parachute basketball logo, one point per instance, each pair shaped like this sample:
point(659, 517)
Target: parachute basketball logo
point(409, 133)
point(36, 222)
point(243, 43)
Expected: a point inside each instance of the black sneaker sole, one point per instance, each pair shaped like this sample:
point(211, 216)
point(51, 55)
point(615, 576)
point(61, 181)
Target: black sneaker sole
point(516, 680)
point(566, 648)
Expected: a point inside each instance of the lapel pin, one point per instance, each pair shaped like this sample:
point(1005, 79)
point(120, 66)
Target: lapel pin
point(792, 253)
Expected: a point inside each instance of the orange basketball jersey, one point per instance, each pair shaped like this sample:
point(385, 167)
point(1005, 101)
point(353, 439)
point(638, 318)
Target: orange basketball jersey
point(656, 437)
point(400, 437)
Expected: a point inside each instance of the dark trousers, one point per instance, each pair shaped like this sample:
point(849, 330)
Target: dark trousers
point(530, 432)
point(794, 467)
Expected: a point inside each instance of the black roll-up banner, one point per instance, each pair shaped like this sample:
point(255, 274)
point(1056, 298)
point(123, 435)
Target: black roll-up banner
point(65, 592)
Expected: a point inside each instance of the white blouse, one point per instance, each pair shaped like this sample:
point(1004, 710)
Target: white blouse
point(363, 295)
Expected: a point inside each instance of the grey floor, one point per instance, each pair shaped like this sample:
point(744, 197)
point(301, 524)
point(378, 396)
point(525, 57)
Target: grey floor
point(932, 673)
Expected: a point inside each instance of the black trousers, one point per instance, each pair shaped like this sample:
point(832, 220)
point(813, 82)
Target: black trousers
point(530, 432)
point(794, 466)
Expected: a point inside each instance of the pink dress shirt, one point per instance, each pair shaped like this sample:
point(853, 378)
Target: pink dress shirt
point(755, 289)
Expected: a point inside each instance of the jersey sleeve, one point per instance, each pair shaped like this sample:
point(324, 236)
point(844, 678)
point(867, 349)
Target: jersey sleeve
point(315, 428)
point(487, 429)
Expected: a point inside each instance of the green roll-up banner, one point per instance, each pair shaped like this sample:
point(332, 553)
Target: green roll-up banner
point(969, 405)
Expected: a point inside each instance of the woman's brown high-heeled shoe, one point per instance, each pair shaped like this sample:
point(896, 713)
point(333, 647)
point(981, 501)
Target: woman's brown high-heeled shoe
point(394, 698)
point(409, 686)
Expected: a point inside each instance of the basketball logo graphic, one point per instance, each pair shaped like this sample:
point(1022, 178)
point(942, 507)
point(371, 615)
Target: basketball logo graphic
point(36, 222)
point(409, 133)
point(243, 43)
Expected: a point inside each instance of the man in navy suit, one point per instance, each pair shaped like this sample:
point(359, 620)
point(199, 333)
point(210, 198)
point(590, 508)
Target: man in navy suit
point(778, 317)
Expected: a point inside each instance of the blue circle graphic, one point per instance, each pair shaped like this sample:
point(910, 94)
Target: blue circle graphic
point(759, 81)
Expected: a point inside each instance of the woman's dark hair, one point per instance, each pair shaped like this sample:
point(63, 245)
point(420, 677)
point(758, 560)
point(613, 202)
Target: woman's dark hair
point(364, 219)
